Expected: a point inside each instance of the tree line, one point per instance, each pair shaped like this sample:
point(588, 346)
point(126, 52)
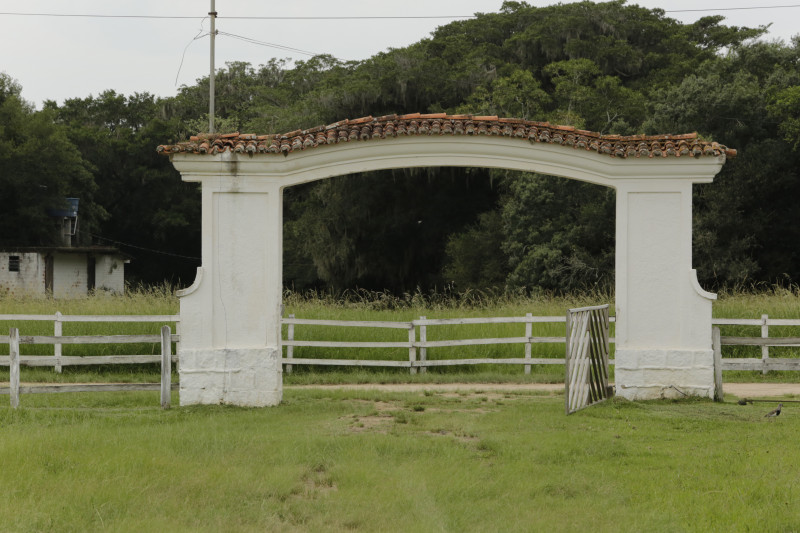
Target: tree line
point(607, 67)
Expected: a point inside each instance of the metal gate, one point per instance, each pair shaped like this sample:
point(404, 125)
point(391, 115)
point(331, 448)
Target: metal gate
point(586, 381)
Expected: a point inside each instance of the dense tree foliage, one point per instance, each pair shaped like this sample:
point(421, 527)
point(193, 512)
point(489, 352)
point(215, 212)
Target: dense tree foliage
point(39, 168)
point(608, 67)
point(149, 208)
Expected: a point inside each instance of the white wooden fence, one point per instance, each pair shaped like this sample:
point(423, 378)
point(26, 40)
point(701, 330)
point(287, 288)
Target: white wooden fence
point(417, 345)
point(15, 359)
point(57, 360)
point(15, 340)
point(418, 349)
point(765, 363)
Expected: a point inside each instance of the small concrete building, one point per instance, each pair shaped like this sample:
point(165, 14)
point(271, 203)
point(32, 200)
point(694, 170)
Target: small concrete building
point(64, 272)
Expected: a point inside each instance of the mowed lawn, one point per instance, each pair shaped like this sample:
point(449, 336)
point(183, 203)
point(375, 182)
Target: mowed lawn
point(336, 460)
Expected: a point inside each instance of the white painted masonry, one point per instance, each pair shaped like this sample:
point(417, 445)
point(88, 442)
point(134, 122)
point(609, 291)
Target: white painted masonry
point(230, 316)
point(70, 276)
point(28, 279)
point(65, 271)
point(109, 273)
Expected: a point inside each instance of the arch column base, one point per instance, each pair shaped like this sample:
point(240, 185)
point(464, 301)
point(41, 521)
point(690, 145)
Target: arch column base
point(652, 374)
point(248, 377)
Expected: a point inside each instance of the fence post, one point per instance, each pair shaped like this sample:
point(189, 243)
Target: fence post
point(764, 349)
point(57, 331)
point(412, 349)
point(717, 345)
point(166, 367)
point(290, 349)
point(529, 334)
point(423, 351)
point(13, 367)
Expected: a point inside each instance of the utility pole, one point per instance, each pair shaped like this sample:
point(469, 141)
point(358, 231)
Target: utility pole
point(213, 15)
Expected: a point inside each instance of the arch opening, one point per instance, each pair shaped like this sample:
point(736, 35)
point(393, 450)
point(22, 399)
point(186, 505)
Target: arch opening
point(409, 230)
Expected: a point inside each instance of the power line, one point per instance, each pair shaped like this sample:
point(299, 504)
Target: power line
point(367, 17)
point(199, 35)
point(263, 43)
point(728, 8)
point(344, 17)
point(88, 15)
point(372, 17)
point(100, 237)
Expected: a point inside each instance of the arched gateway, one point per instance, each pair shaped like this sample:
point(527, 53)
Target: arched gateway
point(230, 317)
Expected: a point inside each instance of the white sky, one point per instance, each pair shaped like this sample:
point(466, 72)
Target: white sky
point(63, 57)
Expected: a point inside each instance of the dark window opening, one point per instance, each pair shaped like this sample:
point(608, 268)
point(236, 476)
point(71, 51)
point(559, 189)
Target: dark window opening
point(13, 263)
point(90, 272)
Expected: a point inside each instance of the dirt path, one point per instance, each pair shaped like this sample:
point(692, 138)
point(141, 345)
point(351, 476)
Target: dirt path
point(755, 390)
point(741, 390)
point(447, 387)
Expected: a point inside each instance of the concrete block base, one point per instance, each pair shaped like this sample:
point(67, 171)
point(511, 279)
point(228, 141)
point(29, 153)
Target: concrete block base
point(248, 377)
point(663, 373)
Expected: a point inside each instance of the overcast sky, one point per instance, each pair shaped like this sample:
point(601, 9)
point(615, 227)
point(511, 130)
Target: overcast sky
point(63, 57)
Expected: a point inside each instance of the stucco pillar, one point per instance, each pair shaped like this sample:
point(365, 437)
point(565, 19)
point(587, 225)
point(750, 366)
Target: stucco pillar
point(230, 317)
point(663, 317)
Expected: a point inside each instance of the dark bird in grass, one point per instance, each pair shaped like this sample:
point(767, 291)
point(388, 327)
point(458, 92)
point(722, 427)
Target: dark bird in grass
point(774, 412)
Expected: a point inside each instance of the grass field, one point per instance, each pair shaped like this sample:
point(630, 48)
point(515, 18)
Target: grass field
point(338, 460)
point(417, 461)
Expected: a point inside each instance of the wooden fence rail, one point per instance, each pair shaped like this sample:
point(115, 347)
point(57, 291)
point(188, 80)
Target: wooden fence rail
point(57, 360)
point(419, 347)
point(14, 360)
point(417, 344)
point(528, 340)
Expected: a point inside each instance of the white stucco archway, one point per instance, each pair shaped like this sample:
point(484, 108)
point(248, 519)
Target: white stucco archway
point(230, 316)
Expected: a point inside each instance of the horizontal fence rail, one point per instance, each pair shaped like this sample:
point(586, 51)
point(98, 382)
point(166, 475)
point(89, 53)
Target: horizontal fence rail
point(765, 363)
point(418, 346)
point(417, 342)
point(57, 360)
point(66, 360)
point(14, 360)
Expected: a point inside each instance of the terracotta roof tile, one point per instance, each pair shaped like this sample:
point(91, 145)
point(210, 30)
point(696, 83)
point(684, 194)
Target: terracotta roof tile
point(388, 126)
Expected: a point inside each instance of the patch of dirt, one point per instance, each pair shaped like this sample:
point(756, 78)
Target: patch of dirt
point(380, 406)
point(375, 423)
point(742, 390)
point(470, 388)
point(478, 410)
point(315, 484)
point(479, 394)
point(459, 437)
point(753, 390)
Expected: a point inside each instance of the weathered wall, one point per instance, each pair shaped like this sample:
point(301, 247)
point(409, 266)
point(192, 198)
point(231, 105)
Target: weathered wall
point(70, 278)
point(109, 274)
point(29, 279)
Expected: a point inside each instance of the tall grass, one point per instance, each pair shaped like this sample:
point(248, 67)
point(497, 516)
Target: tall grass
point(138, 300)
point(379, 306)
point(155, 300)
point(753, 302)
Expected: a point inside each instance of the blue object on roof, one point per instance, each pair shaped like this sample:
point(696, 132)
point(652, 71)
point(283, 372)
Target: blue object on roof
point(70, 211)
